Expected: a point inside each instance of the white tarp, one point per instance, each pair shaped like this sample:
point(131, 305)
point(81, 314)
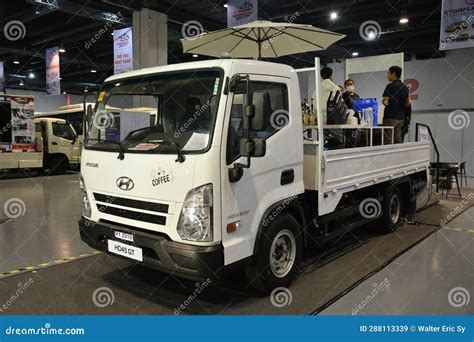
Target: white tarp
point(52, 71)
point(457, 24)
point(123, 50)
point(241, 12)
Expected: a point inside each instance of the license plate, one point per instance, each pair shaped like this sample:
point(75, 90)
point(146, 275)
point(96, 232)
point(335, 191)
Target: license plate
point(124, 236)
point(125, 250)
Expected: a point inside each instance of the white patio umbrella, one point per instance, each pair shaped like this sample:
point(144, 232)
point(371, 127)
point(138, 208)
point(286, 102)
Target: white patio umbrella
point(261, 39)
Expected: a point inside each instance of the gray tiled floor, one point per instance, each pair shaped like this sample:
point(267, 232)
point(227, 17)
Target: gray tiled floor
point(48, 229)
point(419, 281)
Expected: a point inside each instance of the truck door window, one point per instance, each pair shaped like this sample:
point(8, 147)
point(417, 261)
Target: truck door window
point(276, 96)
point(63, 130)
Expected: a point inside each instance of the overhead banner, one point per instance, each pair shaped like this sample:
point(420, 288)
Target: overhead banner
point(241, 12)
point(123, 50)
point(23, 123)
point(457, 24)
point(2, 78)
point(53, 86)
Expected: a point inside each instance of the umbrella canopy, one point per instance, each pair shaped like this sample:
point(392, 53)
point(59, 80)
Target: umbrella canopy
point(261, 39)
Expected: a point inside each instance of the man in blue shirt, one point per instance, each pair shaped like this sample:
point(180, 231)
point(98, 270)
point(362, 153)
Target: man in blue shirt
point(395, 99)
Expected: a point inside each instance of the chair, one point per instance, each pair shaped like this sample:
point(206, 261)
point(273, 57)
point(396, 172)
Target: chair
point(445, 173)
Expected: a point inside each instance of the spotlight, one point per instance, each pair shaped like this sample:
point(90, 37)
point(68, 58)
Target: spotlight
point(93, 71)
point(16, 62)
point(355, 54)
point(403, 20)
point(333, 16)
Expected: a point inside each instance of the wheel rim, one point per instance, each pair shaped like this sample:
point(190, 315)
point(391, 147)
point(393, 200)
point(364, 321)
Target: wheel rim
point(282, 253)
point(394, 208)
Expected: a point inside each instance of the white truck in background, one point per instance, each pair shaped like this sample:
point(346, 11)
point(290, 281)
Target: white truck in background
point(223, 177)
point(54, 148)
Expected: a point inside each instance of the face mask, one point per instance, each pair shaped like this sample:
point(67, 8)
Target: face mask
point(350, 89)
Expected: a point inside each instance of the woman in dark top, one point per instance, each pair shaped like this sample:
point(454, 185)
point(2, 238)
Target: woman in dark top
point(350, 96)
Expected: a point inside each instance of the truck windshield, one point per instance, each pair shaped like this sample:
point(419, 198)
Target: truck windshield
point(156, 113)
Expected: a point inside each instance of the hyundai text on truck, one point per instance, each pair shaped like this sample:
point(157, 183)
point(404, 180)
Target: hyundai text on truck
point(222, 176)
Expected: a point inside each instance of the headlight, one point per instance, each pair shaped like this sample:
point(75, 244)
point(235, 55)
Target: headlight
point(86, 206)
point(195, 221)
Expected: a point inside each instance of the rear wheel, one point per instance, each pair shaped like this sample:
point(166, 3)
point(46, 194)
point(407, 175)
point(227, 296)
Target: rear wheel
point(392, 211)
point(278, 255)
point(57, 165)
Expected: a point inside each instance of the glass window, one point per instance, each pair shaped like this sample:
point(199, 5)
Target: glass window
point(272, 98)
point(157, 113)
point(63, 130)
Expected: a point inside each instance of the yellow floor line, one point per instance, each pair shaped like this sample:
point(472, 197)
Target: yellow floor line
point(46, 264)
point(460, 229)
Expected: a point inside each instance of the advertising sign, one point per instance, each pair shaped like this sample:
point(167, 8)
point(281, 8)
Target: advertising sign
point(52, 71)
point(23, 123)
point(241, 12)
point(123, 50)
point(457, 24)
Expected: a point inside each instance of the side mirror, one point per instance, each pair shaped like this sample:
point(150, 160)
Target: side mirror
point(253, 148)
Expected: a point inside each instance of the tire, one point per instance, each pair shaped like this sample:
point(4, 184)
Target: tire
point(57, 165)
point(391, 211)
point(281, 240)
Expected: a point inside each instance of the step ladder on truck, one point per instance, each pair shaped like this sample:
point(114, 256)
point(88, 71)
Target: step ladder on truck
point(224, 177)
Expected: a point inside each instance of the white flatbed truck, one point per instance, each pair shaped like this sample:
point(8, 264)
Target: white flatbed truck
point(225, 178)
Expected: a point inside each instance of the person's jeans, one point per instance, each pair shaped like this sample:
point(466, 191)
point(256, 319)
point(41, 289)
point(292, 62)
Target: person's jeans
point(397, 131)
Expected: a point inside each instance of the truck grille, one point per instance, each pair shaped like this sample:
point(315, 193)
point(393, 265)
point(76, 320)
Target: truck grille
point(107, 204)
point(126, 202)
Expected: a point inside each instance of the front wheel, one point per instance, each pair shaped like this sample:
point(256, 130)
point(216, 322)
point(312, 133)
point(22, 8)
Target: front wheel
point(278, 255)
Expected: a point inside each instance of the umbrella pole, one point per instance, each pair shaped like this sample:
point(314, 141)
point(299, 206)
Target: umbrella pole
point(259, 44)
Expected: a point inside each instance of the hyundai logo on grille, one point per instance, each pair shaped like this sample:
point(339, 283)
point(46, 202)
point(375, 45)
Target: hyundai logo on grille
point(125, 183)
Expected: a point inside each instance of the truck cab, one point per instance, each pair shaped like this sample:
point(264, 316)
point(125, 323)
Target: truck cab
point(60, 145)
point(215, 180)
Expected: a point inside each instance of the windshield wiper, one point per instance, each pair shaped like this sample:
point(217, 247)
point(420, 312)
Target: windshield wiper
point(121, 155)
point(181, 158)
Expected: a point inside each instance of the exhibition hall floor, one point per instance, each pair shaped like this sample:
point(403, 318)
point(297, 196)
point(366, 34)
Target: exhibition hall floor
point(407, 272)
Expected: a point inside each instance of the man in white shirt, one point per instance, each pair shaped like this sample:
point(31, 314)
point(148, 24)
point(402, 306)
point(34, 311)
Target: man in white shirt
point(327, 86)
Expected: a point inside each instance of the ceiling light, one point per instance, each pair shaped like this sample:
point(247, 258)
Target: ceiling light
point(62, 50)
point(403, 20)
point(16, 62)
point(333, 15)
point(21, 83)
point(371, 35)
point(117, 84)
point(31, 75)
point(225, 5)
point(93, 71)
point(195, 56)
point(355, 54)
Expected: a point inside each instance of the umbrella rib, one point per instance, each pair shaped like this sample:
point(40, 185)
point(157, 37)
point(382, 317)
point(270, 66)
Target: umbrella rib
point(316, 30)
point(305, 40)
point(240, 34)
point(240, 41)
point(224, 36)
point(271, 45)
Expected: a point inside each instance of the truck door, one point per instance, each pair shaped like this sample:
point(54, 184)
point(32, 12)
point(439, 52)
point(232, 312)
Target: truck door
point(245, 201)
point(64, 140)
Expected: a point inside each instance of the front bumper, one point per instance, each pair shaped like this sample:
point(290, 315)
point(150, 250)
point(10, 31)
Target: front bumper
point(187, 261)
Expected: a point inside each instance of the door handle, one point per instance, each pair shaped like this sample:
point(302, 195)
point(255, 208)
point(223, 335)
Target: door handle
point(287, 177)
point(54, 143)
